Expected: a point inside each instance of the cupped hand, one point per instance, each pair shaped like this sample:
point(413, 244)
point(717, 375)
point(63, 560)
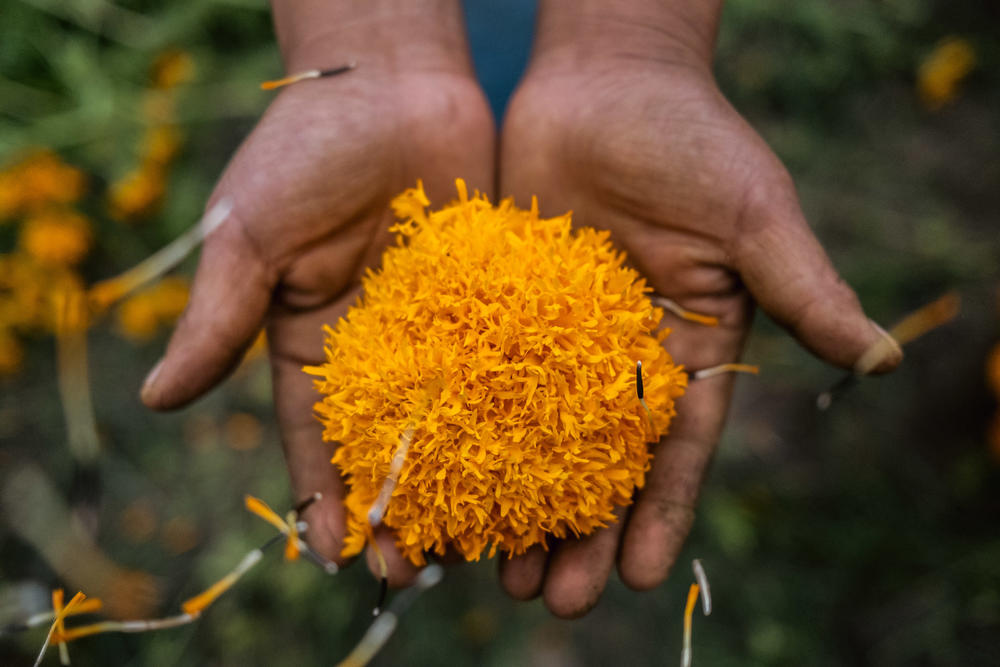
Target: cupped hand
point(649, 149)
point(310, 189)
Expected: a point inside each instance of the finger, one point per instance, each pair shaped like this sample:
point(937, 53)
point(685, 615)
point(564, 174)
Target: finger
point(578, 571)
point(400, 572)
point(229, 298)
point(521, 576)
point(296, 340)
point(664, 511)
point(789, 274)
point(308, 459)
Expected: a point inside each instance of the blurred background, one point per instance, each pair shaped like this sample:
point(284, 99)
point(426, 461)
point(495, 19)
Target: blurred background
point(865, 535)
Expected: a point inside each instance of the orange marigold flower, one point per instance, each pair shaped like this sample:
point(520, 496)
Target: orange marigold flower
point(942, 71)
point(502, 347)
point(28, 291)
point(11, 353)
point(137, 319)
point(171, 68)
point(141, 315)
point(161, 144)
point(137, 194)
point(39, 179)
point(170, 297)
point(57, 237)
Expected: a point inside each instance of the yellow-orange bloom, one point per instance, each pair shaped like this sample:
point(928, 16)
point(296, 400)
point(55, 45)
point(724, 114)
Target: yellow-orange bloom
point(137, 194)
point(161, 144)
point(11, 353)
point(942, 71)
point(171, 68)
point(57, 236)
point(141, 315)
point(504, 346)
point(136, 318)
point(28, 292)
point(39, 179)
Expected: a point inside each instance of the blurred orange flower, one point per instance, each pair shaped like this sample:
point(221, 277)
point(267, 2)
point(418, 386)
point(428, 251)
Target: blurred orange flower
point(28, 291)
point(244, 432)
point(141, 315)
point(942, 71)
point(161, 144)
point(39, 179)
point(137, 319)
point(56, 236)
point(137, 194)
point(11, 353)
point(171, 68)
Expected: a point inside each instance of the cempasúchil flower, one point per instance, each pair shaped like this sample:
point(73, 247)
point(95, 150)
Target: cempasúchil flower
point(504, 346)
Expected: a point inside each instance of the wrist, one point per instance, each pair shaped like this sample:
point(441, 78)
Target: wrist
point(380, 35)
point(577, 32)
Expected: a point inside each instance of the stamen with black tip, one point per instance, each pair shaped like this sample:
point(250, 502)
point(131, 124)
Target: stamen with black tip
point(308, 74)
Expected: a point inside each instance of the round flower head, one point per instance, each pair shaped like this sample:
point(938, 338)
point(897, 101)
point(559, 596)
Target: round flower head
point(494, 357)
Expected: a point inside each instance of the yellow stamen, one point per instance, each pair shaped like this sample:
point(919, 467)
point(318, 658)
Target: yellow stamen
point(688, 613)
point(261, 509)
point(58, 616)
point(684, 313)
point(292, 550)
point(308, 74)
point(913, 326)
point(916, 324)
point(125, 626)
point(57, 607)
point(88, 606)
point(194, 606)
point(288, 80)
point(724, 368)
point(294, 545)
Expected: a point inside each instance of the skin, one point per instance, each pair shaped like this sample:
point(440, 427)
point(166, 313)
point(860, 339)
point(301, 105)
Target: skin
point(618, 119)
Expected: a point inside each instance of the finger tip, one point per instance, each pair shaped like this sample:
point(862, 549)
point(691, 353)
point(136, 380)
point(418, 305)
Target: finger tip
point(325, 532)
point(568, 603)
point(641, 577)
point(521, 576)
point(399, 571)
point(570, 593)
point(150, 394)
point(652, 543)
point(641, 570)
point(893, 355)
point(882, 353)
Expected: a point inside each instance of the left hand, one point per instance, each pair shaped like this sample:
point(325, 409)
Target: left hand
point(624, 125)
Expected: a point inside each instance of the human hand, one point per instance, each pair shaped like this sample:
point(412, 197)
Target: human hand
point(619, 120)
point(310, 189)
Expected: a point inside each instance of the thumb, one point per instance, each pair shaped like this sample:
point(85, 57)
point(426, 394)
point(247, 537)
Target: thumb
point(229, 299)
point(792, 279)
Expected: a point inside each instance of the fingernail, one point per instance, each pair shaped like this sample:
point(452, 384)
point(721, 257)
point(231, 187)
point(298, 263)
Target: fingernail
point(881, 356)
point(148, 385)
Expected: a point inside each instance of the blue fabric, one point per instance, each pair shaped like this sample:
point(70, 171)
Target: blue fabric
point(500, 33)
